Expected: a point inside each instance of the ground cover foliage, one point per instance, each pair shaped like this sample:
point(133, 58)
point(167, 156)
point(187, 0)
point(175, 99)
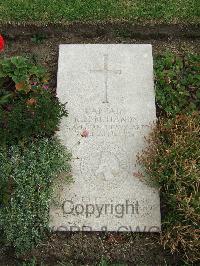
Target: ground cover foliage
point(172, 157)
point(30, 156)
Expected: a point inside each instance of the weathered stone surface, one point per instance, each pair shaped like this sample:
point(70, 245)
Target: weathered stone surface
point(111, 103)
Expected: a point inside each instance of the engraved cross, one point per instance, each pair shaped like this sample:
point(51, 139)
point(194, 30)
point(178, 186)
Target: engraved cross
point(106, 72)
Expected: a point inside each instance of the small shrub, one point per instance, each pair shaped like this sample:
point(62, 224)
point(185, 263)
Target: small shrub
point(172, 161)
point(30, 158)
point(27, 107)
point(22, 72)
point(26, 175)
point(177, 83)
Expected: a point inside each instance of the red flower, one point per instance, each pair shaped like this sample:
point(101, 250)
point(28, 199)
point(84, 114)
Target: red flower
point(2, 43)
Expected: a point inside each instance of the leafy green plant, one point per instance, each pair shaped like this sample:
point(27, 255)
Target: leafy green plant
point(30, 115)
point(18, 74)
point(177, 83)
point(27, 107)
point(21, 71)
point(30, 158)
point(27, 172)
point(172, 162)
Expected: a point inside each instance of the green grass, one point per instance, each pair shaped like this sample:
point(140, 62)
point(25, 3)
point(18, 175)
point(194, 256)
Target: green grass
point(46, 11)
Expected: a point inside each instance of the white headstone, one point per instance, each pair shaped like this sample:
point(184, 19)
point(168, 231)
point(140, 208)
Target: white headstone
point(109, 92)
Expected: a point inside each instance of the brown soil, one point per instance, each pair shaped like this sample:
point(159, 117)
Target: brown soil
point(90, 248)
point(45, 49)
point(42, 43)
